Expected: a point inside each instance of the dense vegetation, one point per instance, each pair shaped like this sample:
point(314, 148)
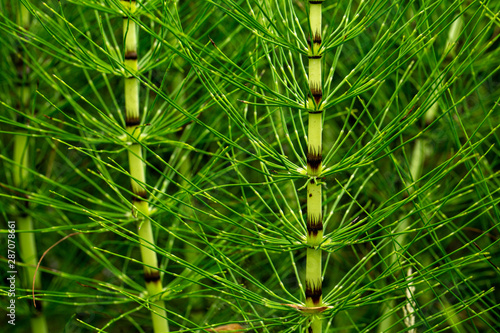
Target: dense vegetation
point(251, 165)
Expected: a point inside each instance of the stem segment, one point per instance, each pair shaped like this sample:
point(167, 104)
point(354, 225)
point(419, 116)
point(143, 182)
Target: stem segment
point(314, 166)
point(152, 277)
point(27, 243)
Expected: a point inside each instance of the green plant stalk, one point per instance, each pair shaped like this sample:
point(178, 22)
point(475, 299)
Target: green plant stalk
point(27, 243)
point(152, 276)
point(313, 280)
point(421, 149)
point(390, 317)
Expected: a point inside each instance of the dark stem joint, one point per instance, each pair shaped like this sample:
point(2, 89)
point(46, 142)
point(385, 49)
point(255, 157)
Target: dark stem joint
point(132, 122)
point(152, 276)
point(314, 224)
point(317, 38)
point(314, 158)
point(317, 97)
point(315, 228)
point(313, 291)
point(312, 233)
point(316, 92)
point(131, 55)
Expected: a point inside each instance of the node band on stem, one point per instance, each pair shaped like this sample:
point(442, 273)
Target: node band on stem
point(313, 281)
point(137, 168)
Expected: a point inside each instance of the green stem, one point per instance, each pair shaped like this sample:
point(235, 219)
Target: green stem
point(27, 243)
point(314, 167)
point(152, 276)
point(421, 149)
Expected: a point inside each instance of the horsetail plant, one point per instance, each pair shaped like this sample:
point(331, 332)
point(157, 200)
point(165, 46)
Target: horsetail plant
point(313, 280)
point(152, 276)
point(21, 176)
point(379, 233)
point(383, 61)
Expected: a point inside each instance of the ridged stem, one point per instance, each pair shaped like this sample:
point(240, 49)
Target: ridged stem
point(137, 167)
point(27, 242)
point(313, 281)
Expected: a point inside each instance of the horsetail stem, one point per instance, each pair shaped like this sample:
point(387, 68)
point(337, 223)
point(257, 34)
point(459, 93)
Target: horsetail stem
point(152, 277)
point(313, 281)
point(27, 243)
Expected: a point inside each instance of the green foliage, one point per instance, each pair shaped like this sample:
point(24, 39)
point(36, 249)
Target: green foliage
point(410, 176)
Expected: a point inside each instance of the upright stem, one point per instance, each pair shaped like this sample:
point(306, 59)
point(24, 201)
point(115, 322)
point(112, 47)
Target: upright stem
point(152, 277)
point(421, 149)
point(314, 160)
point(27, 243)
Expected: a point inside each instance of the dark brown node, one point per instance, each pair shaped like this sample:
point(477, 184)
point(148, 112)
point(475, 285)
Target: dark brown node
point(315, 2)
point(313, 292)
point(314, 222)
point(314, 158)
point(317, 93)
point(312, 233)
point(314, 225)
point(317, 38)
point(131, 55)
point(133, 121)
point(152, 277)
